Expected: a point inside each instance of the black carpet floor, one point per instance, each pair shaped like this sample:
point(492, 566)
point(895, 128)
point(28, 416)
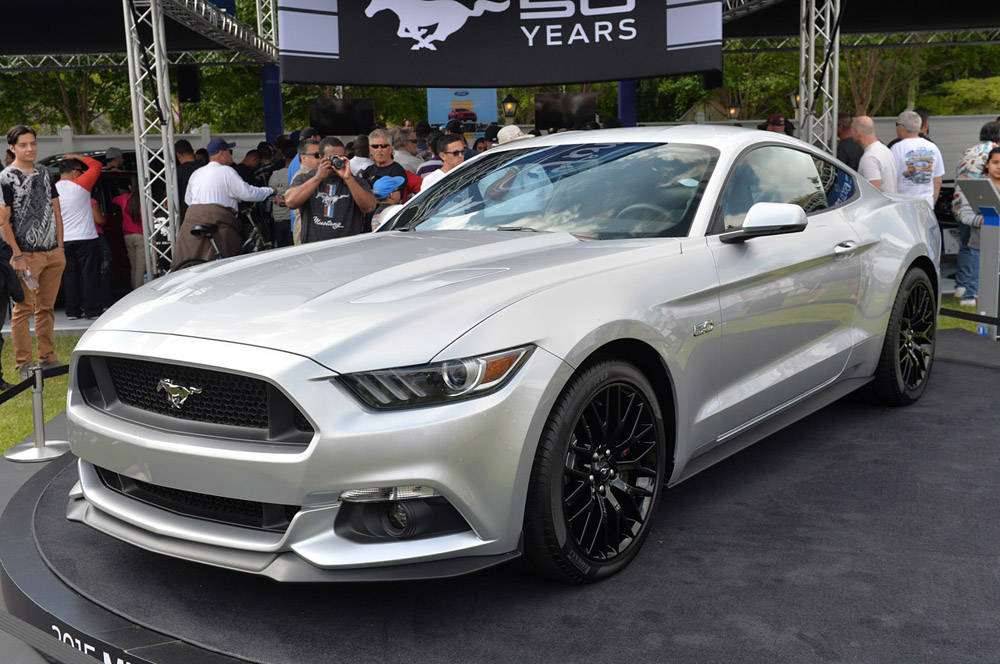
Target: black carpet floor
point(860, 534)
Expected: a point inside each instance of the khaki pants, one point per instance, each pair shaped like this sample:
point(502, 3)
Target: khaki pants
point(136, 250)
point(46, 267)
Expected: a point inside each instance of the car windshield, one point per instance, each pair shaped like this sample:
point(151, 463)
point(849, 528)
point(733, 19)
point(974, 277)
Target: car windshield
point(600, 191)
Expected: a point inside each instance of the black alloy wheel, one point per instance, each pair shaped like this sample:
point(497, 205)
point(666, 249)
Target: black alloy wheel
point(598, 475)
point(917, 328)
point(908, 350)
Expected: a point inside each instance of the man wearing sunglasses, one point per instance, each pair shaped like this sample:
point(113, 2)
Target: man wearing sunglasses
point(380, 148)
point(330, 201)
point(451, 149)
point(405, 151)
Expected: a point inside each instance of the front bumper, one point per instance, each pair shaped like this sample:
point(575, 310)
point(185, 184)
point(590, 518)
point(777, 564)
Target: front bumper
point(476, 454)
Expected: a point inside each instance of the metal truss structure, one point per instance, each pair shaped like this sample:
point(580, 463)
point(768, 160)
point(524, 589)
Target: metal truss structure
point(152, 118)
point(819, 72)
point(101, 61)
point(152, 108)
point(869, 40)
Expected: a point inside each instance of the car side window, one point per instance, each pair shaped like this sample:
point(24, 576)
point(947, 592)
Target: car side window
point(772, 174)
point(837, 183)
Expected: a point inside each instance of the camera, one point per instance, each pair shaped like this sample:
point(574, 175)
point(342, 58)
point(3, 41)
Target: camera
point(337, 163)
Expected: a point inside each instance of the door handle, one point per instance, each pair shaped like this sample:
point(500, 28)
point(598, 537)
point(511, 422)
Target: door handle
point(845, 249)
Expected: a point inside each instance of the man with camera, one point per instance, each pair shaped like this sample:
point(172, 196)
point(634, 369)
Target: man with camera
point(329, 201)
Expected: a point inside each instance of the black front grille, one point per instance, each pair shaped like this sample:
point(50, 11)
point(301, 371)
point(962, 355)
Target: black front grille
point(206, 401)
point(245, 513)
point(224, 398)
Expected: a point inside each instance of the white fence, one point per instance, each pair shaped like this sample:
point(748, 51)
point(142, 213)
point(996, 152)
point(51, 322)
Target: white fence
point(67, 141)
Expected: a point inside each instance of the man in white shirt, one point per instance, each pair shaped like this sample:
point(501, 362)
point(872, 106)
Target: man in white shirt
point(919, 164)
point(451, 149)
point(213, 196)
point(877, 164)
point(82, 276)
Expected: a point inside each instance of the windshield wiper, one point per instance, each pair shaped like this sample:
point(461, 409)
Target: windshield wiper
point(520, 228)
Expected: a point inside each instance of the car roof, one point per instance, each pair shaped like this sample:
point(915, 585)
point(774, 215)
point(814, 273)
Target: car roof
point(726, 139)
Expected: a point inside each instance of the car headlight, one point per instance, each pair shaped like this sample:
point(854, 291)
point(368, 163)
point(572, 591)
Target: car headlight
point(436, 383)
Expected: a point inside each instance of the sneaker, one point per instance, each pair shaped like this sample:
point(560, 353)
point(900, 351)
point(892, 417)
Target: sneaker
point(74, 316)
point(51, 364)
point(959, 291)
point(969, 302)
point(24, 371)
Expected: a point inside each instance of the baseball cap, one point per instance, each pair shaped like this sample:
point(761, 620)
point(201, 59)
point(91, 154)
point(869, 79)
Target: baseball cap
point(113, 153)
point(217, 145)
point(776, 120)
point(511, 133)
point(387, 184)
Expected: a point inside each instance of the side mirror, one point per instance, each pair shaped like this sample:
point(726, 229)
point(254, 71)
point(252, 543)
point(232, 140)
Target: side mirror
point(385, 216)
point(768, 219)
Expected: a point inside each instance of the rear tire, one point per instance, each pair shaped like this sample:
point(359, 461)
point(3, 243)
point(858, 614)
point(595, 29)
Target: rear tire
point(597, 477)
point(904, 366)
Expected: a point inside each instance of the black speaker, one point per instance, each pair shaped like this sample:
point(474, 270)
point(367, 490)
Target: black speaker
point(188, 90)
point(711, 80)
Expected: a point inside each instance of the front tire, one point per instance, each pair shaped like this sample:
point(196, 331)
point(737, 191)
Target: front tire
point(597, 477)
point(908, 350)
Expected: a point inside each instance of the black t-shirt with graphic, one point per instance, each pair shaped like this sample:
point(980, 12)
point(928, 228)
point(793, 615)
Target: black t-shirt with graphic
point(330, 212)
point(29, 197)
point(371, 175)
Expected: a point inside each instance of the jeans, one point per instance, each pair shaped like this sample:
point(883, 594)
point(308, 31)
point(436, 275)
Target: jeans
point(967, 271)
point(82, 283)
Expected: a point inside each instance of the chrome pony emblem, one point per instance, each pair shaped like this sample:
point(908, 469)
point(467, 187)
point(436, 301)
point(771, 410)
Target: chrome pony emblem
point(176, 394)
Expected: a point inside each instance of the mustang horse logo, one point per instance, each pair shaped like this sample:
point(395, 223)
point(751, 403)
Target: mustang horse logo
point(417, 17)
point(177, 394)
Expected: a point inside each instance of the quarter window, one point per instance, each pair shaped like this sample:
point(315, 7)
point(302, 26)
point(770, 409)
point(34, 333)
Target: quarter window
point(772, 174)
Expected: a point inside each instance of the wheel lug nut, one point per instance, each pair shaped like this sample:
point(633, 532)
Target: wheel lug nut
point(607, 452)
point(592, 478)
point(596, 456)
point(601, 488)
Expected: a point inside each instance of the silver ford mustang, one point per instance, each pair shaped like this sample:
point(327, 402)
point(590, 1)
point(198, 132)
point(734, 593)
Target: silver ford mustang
point(515, 365)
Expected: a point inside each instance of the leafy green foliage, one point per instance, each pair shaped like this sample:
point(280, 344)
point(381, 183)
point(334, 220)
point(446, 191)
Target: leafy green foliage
point(968, 96)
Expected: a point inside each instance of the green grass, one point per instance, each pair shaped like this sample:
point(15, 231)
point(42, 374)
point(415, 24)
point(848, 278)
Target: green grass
point(947, 322)
point(15, 415)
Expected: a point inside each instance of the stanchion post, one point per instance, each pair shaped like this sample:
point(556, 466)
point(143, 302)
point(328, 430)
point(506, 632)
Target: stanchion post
point(28, 452)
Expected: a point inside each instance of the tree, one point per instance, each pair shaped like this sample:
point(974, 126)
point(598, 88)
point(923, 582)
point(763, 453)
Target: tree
point(55, 98)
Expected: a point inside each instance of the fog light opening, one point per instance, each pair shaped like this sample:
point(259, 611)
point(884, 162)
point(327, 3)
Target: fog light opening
point(406, 518)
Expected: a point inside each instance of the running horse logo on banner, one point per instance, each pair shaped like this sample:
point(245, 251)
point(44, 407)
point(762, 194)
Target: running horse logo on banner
point(416, 17)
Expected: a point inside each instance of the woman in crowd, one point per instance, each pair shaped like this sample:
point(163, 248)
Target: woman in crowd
point(132, 231)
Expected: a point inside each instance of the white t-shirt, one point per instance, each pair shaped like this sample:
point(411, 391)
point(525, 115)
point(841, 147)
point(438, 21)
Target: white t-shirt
point(918, 162)
point(877, 163)
point(77, 213)
point(431, 179)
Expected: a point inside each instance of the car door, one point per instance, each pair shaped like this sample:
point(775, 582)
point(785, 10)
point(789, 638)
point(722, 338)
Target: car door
point(788, 301)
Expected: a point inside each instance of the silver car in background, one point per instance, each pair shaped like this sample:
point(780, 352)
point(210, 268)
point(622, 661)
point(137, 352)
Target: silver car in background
point(515, 365)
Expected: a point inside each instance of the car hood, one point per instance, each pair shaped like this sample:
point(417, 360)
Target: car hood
point(369, 301)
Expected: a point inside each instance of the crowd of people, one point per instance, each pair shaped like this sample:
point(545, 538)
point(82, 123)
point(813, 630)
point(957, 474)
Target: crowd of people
point(912, 164)
point(311, 188)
